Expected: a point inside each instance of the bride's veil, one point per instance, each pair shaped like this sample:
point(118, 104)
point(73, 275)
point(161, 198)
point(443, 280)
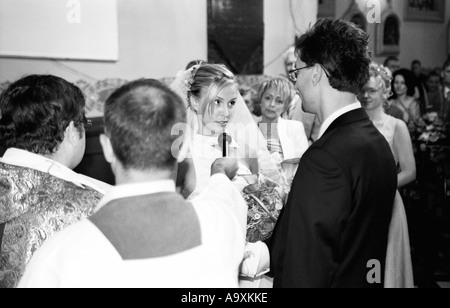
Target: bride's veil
point(242, 127)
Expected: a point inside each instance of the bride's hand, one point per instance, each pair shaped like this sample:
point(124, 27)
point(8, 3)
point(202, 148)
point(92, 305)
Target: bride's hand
point(256, 260)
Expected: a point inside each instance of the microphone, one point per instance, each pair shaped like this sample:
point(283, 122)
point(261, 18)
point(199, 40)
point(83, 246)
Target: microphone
point(224, 142)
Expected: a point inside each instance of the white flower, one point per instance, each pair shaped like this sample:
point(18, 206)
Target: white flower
point(425, 136)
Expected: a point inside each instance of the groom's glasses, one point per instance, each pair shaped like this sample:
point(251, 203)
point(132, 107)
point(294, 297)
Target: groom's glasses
point(294, 73)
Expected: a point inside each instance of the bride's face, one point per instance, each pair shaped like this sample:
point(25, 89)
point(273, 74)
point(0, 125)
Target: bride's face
point(221, 110)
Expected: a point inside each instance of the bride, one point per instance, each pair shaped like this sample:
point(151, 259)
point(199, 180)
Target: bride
point(221, 124)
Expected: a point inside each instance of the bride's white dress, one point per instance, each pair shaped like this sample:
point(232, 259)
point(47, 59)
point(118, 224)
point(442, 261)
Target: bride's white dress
point(204, 151)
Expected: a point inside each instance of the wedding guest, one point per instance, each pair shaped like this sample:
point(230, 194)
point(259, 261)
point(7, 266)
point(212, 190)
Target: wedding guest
point(419, 83)
point(416, 68)
point(445, 109)
point(372, 97)
point(289, 59)
point(392, 63)
point(336, 220)
point(399, 272)
point(42, 124)
point(403, 88)
point(144, 234)
point(434, 93)
point(286, 139)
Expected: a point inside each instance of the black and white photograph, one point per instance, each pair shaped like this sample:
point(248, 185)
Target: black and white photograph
point(217, 151)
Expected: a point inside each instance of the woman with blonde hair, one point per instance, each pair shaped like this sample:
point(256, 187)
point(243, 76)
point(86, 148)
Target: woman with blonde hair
point(286, 139)
point(398, 272)
point(221, 125)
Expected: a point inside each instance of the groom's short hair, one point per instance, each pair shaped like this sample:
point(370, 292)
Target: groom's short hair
point(139, 118)
point(341, 48)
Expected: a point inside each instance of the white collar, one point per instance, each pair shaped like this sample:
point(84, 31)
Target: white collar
point(336, 115)
point(136, 189)
point(22, 158)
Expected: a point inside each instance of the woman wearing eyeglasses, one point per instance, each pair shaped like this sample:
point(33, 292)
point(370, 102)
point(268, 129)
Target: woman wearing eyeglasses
point(398, 271)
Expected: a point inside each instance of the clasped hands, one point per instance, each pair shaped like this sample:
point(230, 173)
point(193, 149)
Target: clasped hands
point(256, 260)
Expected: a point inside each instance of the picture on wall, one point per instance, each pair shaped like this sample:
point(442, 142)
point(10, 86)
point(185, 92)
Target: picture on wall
point(55, 29)
point(241, 51)
point(388, 34)
point(425, 10)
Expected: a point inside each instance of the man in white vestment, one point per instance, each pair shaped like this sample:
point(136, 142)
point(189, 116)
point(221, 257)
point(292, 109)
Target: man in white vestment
point(143, 233)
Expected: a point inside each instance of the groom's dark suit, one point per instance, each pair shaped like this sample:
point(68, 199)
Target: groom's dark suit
point(337, 216)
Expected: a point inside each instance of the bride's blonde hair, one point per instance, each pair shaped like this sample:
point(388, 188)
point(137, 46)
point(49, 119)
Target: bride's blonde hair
point(207, 82)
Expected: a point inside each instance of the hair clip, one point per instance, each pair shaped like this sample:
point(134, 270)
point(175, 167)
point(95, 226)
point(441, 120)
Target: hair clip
point(189, 77)
point(383, 71)
point(186, 85)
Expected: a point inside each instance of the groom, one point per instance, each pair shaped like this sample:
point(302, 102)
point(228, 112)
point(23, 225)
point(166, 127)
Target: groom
point(333, 230)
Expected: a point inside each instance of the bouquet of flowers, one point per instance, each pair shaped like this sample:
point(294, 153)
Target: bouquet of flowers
point(431, 128)
point(432, 135)
point(264, 201)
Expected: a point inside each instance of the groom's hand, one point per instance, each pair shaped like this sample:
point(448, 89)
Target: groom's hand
point(225, 165)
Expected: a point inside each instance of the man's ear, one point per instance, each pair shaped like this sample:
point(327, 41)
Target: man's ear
point(107, 148)
point(72, 134)
point(317, 72)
